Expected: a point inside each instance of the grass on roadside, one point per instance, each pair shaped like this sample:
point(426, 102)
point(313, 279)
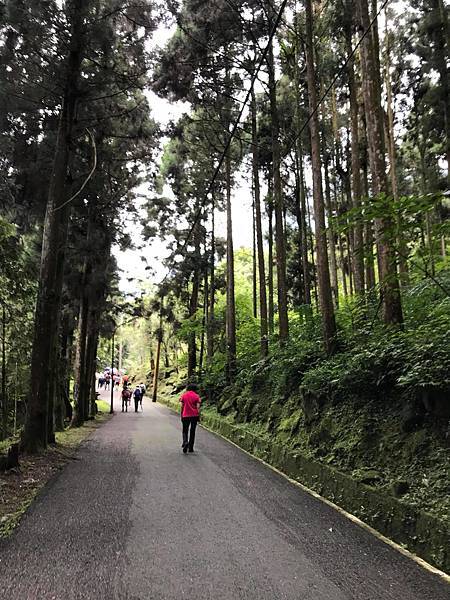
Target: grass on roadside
point(103, 406)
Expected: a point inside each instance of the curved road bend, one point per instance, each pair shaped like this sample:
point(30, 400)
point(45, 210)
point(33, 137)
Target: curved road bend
point(135, 519)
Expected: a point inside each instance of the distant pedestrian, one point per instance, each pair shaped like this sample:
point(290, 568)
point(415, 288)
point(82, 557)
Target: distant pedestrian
point(190, 416)
point(143, 390)
point(126, 397)
point(101, 381)
point(137, 395)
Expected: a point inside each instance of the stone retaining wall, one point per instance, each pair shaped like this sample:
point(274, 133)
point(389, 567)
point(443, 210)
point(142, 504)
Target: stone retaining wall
point(421, 533)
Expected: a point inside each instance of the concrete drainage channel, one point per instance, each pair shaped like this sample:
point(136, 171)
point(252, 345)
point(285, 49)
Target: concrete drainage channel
point(421, 533)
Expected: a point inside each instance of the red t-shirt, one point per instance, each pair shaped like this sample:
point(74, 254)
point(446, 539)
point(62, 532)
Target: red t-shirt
point(190, 404)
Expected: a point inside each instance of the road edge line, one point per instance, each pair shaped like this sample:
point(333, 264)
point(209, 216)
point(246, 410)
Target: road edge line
point(407, 553)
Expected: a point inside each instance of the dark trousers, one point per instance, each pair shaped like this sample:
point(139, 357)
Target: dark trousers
point(189, 427)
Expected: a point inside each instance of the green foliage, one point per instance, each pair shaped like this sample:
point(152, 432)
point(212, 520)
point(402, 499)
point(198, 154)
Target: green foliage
point(373, 363)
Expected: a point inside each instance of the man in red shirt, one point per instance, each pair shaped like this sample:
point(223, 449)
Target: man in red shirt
point(190, 413)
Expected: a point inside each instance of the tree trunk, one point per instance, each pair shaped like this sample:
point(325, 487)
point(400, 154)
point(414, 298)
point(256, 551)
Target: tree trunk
point(231, 307)
point(358, 234)
point(254, 263)
point(158, 355)
point(442, 52)
point(4, 393)
point(283, 322)
point(80, 363)
point(264, 342)
point(271, 309)
point(390, 292)
point(91, 361)
point(60, 410)
point(368, 230)
point(402, 247)
point(211, 312)
point(204, 321)
point(323, 273)
point(303, 228)
point(193, 306)
point(331, 235)
point(49, 294)
point(300, 182)
point(313, 260)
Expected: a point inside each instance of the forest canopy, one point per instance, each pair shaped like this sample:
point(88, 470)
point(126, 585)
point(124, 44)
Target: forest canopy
point(336, 117)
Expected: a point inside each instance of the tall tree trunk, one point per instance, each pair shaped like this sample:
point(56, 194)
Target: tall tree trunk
point(300, 182)
point(442, 52)
point(193, 306)
point(271, 308)
point(283, 321)
point(69, 360)
point(231, 306)
point(323, 273)
point(358, 234)
point(264, 342)
point(80, 375)
point(211, 312)
point(4, 392)
point(52, 392)
point(91, 360)
point(428, 244)
point(313, 260)
point(93, 409)
point(368, 229)
point(390, 292)
point(254, 262)
point(80, 363)
point(331, 235)
point(343, 266)
point(56, 218)
point(402, 248)
point(204, 320)
point(60, 410)
point(303, 226)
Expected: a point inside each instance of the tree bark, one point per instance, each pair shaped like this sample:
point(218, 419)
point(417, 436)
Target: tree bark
point(390, 292)
point(358, 234)
point(300, 182)
point(254, 262)
point(49, 294)
point(323, 273)
point(442, 43)
point(283, 321)
point(264, 342)
point(62, 367)
point(91, 360)
point(271, 309)
point(204, 321)
point(402, 247)
point(4, 392)
point(211, 312)
point(368, 228)
point(303, 225)
point(193, 306)
point(231, 306)
point(80, 363)
point(331, 235)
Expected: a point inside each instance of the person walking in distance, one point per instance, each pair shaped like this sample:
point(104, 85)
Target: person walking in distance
point(143, 390)
point(126, 398)
point(190, 415)
point(137, 397)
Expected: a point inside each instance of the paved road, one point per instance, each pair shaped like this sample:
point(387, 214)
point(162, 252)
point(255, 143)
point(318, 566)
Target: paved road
point(134, 518)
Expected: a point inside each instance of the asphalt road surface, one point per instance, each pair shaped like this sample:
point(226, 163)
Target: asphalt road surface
point(134, 518)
